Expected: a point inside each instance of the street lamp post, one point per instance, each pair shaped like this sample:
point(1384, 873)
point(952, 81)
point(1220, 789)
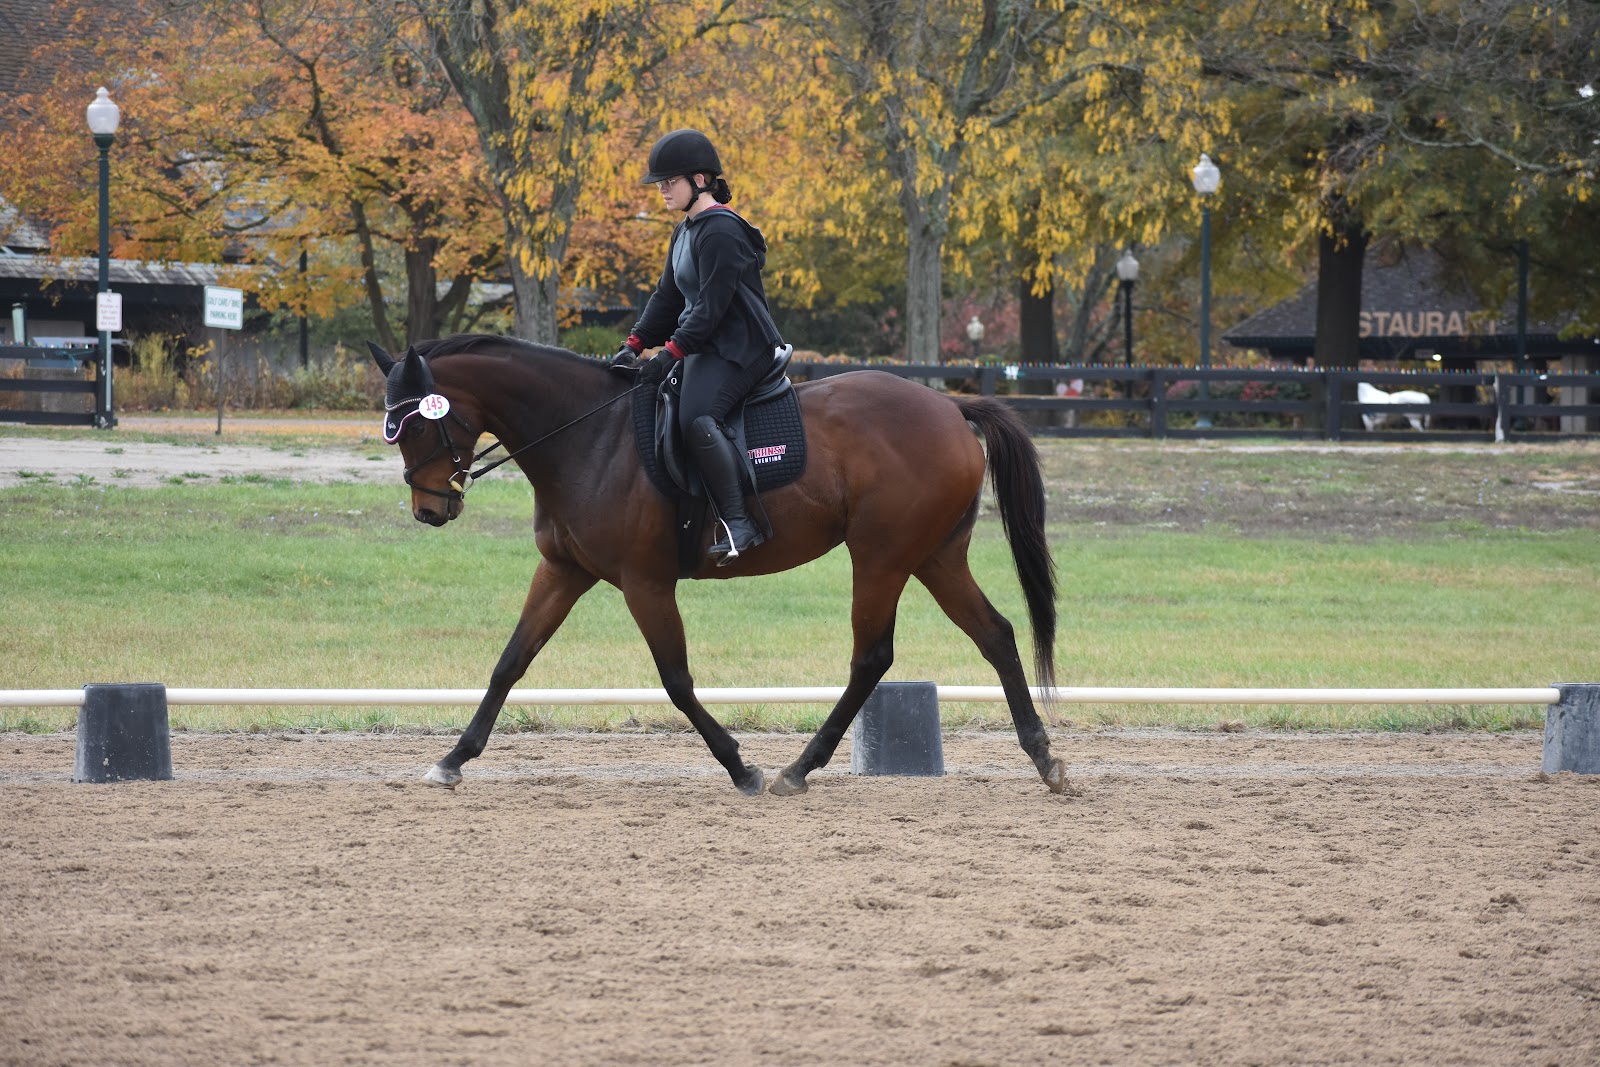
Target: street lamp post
point(1206, 179)
point(1127, 275)
point(104, 116)
point(974, 335)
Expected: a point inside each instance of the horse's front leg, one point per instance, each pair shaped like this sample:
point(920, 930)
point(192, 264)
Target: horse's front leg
point(655, 609)
point(556, 587)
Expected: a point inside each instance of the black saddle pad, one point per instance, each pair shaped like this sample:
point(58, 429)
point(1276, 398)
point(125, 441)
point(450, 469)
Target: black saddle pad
point(774, 433)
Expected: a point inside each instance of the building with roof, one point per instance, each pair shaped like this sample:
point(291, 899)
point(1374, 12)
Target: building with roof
point(1412, 308)
point(58, 295)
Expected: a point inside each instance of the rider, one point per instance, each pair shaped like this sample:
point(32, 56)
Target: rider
point(711, 311)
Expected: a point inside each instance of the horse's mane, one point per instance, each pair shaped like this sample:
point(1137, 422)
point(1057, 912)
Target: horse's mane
point(495, 344)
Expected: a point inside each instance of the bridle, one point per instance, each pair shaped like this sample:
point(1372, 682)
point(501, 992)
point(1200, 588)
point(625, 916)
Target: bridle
point(463, 476)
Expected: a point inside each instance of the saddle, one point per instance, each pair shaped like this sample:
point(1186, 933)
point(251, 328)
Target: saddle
point(766, 427)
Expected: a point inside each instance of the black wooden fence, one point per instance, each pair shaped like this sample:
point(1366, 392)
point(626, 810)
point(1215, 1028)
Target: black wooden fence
point(81, 363)
point(1110, 401)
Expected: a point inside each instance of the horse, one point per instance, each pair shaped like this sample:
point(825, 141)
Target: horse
point(894, 471)
point(1371, 394)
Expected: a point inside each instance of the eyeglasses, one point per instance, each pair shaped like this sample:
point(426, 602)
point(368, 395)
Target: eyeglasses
point(667, 183)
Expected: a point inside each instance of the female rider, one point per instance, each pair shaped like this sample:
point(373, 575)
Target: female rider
point(710, 311)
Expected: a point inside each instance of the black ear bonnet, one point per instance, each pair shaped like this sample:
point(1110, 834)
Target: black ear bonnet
point(409, 381)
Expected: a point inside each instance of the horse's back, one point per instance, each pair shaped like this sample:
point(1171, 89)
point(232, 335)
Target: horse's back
point(879, 432)
point(885, 412)
point(876, 395)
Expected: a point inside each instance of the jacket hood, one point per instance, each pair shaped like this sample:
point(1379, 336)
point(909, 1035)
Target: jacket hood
point(722, 215)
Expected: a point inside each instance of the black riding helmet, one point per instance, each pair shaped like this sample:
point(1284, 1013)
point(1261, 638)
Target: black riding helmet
point(682, 152)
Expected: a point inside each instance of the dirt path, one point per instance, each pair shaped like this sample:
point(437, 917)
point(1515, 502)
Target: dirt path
point(142, 464)
point(1203, 898)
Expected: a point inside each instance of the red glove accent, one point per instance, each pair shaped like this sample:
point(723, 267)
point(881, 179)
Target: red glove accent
point(634, 343)
point(677, 353)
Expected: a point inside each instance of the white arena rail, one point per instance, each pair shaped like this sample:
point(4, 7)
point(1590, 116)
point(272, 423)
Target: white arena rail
point(17, 698)
point(123, 728)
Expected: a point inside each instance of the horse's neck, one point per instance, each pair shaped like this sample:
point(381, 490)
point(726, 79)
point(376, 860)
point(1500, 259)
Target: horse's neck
point(528, 401)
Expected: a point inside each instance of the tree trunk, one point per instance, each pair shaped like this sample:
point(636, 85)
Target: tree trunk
point(422, 292)
point(927, 217)
point(1083, 340)
point(1340, 256)
point(371, 283)
point(1039, 343)
point(924, 295)
point(535, 294)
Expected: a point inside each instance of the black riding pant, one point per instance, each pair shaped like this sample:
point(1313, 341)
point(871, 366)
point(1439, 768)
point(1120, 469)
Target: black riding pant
point(714, 386)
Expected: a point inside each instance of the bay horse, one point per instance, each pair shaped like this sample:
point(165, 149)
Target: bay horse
point(894, 472)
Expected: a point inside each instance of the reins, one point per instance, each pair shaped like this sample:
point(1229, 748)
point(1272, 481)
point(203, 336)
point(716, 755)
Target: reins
point(463, 479)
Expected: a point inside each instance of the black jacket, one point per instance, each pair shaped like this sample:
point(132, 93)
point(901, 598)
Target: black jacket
point(710, 297)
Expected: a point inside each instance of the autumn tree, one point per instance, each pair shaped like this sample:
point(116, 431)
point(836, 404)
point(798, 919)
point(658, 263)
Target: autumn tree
point(1366, 120)
point(913, 83)
point(551, 87)
point(1099, 169)
point(253, 132)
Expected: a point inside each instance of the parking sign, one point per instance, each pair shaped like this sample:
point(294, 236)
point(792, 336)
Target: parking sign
point(224, 307)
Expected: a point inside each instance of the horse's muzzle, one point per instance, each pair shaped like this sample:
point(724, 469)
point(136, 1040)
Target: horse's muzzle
point(436, 512)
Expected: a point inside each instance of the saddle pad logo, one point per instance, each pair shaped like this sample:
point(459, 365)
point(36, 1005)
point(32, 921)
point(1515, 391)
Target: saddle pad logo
point(769, 454)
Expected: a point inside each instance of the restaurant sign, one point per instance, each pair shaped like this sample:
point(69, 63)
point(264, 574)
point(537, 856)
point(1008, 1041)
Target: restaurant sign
point(1423, 324)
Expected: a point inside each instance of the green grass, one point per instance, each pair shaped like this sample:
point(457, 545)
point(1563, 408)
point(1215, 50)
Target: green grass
point(260, 583)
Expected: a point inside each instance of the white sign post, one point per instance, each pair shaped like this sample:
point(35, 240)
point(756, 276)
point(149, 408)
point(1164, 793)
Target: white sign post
point(224, 311)
point(107, 313)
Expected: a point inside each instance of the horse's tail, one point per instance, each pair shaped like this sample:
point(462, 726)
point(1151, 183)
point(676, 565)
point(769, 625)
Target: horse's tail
point(1019, 489)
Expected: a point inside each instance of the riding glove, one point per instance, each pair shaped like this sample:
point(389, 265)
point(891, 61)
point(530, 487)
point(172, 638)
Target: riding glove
point(656, 367)
point(626, 361)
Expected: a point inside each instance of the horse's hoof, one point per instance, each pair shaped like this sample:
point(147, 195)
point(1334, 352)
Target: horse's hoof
point(753, 782)
point(442, 775)
point(786, 786)
point(1055, 776)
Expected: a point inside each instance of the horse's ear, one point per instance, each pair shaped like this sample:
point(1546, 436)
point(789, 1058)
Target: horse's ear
point(416, 375)
point(384, 361)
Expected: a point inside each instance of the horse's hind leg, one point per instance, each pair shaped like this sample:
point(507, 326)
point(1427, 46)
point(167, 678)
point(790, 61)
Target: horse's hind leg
point(555, 588)
point(950, 580)
point(874, 600)
point(655, 610)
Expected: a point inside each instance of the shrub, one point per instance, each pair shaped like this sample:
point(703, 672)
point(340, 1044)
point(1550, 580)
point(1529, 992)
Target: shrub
point(594, 340)
point(347, 381)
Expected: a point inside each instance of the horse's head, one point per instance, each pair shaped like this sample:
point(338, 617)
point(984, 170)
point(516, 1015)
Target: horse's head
point(436, 434)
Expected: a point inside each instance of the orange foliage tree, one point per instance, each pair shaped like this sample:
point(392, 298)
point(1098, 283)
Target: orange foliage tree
point(255, 131)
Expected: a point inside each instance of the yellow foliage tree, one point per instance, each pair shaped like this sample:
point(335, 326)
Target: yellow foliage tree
point(553, 88)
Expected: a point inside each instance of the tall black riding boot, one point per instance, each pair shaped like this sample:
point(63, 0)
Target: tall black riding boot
point(718, 459)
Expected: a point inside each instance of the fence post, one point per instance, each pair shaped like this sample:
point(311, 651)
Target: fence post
point(987, 376)
point(123, 734)
point(1158, 403)
point(1334, 387)
point(1572, 730)
point(897, 731)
